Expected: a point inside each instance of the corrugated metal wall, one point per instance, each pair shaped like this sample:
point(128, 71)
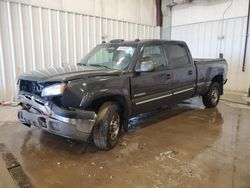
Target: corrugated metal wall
point(35, 38)
point(205, 41)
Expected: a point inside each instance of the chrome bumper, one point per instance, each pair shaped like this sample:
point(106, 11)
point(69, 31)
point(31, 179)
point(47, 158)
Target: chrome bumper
point(42, 115)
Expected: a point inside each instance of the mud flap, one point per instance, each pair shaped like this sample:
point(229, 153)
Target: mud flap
point(125, 123)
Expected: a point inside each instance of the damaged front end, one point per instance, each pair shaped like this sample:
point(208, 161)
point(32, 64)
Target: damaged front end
point(44, 110)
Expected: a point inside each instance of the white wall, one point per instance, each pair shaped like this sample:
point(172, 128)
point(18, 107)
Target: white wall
point(200, 24)
point(136, 11)
point(207, 10)
point(36, 34)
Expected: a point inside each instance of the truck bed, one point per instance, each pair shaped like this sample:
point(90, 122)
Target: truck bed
point(206, 70)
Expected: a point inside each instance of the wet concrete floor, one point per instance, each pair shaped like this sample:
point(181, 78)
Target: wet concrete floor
point(181, 146)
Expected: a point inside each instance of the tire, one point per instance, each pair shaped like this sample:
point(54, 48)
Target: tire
point(108, 126)
point(212, 97)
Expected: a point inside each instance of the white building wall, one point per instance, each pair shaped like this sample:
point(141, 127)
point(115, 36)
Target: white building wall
point(36, 34)
point(201, 25)
point(136, 11)
point(208, 10)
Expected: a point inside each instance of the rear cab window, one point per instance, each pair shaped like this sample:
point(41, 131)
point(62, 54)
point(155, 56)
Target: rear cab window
point(177, 55)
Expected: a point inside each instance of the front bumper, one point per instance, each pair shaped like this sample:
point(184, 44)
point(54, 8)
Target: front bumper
point(75, 124)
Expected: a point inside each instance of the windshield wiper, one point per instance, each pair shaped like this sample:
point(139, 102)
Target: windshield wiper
point(81, 64)
point(93, 65)
point(98, 65)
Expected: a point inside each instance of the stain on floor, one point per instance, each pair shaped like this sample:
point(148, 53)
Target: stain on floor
point(14, 168)
point(181, 146)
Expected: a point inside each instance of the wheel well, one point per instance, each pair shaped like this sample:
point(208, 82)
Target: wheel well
point(219, 79)
point(120, 100)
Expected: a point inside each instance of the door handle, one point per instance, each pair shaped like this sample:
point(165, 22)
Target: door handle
point(168, 76)
point(190, 72)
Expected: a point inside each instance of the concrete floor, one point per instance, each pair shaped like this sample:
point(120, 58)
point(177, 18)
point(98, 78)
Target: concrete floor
point(182, 146)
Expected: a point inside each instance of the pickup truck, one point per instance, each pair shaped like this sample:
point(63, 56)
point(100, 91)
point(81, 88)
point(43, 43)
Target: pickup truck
point(94, 99)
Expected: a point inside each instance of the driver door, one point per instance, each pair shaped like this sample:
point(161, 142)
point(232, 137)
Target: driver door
point(152, 89)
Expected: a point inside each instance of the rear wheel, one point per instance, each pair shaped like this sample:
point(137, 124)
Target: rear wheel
point(212, 97)
point(108, 126)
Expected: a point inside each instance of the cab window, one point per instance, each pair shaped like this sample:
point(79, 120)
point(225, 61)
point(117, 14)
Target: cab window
point(177, 55)
point(156, 55)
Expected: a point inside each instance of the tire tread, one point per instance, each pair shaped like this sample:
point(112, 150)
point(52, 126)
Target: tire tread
point(101, 129)
point(206, 99)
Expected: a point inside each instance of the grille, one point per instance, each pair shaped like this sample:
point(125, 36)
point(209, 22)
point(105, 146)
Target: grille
point(33, 86)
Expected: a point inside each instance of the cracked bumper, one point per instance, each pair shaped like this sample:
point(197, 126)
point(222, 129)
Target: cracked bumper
point(75, 124)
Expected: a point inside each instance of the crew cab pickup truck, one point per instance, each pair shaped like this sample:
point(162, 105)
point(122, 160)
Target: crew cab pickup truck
point(94, 99)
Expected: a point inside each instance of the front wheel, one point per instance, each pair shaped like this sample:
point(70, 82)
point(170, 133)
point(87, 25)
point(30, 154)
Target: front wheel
point(108, 126)
point(212, 97)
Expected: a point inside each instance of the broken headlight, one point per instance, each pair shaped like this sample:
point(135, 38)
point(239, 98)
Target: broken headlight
point(53, 90)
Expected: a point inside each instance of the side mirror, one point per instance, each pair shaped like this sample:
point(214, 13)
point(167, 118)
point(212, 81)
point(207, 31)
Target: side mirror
point(145, 66)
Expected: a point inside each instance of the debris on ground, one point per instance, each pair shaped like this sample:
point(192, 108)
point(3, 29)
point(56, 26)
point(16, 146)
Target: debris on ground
point(9, 103)
point(70, 142)
point(14, 104)
point(167, 154)
point(141, 146)
point(124, 142)
point(6, 103)
point(129, 149)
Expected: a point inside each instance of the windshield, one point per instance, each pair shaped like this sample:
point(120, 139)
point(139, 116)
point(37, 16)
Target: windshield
point(110, 56)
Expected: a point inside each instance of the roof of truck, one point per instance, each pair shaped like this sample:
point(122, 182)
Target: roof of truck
point(144, 41)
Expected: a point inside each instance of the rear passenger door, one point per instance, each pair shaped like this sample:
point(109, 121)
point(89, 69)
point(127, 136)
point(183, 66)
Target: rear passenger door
point(183, 70)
